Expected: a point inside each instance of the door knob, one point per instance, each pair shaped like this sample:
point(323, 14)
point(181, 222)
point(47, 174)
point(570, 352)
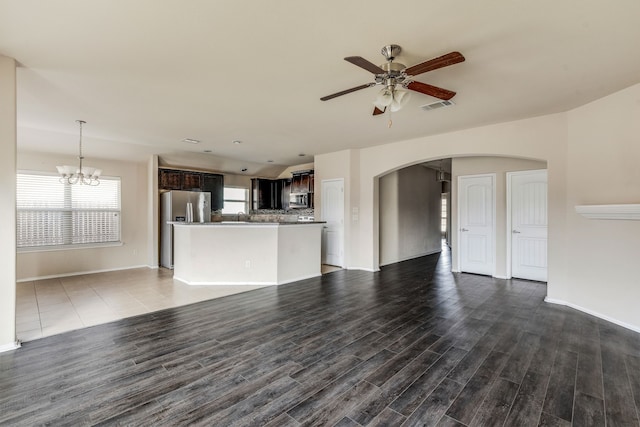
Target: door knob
point(463, 229)
point(515, 232)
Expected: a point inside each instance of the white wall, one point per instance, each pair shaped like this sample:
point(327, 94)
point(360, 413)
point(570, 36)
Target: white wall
point(8, 203)
point(603, 168)
point(341, 164)
point(500, 166)
point(591, 154)
point(134, 225)
point(410, 210)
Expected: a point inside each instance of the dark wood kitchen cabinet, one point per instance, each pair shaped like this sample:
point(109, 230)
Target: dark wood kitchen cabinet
point(302, 182)
point(169, 179)
point(214, 184)
point(266, 194)
point(285, 185)
point(175, 179)
point(192, 181)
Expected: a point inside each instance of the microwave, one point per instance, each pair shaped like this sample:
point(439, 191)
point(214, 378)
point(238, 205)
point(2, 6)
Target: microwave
point(299, 201)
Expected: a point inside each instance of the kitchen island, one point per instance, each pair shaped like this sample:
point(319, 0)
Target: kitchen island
point(250, 253)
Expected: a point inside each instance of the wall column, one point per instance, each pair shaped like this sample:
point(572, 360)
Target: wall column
point(8, 203)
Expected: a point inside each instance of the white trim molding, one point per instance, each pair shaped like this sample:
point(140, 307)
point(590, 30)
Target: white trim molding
point(10, 346)
point(592, 313)
point(624, 212)
point(79, 273)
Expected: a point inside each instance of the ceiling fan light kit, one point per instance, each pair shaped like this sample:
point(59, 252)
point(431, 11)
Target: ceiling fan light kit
point(396, 77)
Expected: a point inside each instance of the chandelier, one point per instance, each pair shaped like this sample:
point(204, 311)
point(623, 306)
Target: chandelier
point(82, 175)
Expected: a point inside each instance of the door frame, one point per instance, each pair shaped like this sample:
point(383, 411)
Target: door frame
point(509, 235)
point(322, 204)
point(493, 219)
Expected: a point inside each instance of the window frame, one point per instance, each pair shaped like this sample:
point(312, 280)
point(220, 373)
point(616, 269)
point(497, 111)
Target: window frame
point(245, 201)
point(70, 246)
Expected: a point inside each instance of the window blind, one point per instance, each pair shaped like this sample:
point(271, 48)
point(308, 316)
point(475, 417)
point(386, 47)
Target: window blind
point(50, 213)
point(235, 200)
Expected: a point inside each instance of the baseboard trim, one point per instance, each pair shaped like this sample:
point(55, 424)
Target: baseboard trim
point(501, 277)
point(187, 282)
point(592, 313)
point(11, 346)
point(370, 270)
point(297, 279)
point(437, 251)
point(79, 273)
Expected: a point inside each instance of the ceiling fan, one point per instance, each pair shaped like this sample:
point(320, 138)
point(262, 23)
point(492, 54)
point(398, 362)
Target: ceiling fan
point(393, 74)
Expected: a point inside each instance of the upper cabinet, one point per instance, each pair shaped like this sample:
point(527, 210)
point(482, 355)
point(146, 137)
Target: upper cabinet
point(192, 181)
point(169, 179)
point(173, 179)
point(266, 194)
point(302, 182)
point(214, 184)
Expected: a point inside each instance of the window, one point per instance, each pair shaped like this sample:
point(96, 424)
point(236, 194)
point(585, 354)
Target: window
point(52, 214)
point(443, 215)
point(235, 200)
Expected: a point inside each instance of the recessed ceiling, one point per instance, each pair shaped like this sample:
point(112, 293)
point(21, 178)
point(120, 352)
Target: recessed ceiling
point(146, 74)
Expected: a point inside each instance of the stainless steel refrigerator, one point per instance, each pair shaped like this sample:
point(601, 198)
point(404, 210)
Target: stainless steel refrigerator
point(173, 207)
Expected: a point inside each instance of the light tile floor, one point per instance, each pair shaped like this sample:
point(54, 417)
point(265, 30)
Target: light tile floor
point(52, 306)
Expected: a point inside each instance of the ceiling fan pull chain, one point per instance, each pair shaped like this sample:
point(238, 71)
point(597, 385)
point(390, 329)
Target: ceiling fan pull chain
point(390, 123)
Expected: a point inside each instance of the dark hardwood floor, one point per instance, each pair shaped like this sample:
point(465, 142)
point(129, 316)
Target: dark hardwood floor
point(410, 345)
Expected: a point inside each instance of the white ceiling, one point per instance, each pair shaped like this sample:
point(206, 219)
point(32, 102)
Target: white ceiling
point(145, 74)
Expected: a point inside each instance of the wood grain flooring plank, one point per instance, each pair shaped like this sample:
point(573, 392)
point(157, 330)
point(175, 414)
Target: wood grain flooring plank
point(447, 421)
point(559, 398)
point(372, 406)
point(389, 369)
point(588, 411)
point(589, 375)
point(619, 403)
point(328, 390)
point(426, 383)
point(252, 403)
point(340, 348)
point(516, 367)
point(335, 410)
point(548, 420)
point(474, 392)
point(495, 407)
point(633, 372)
point(524, 412)
point(283, 420)
point(435, 405)
point(387, 418)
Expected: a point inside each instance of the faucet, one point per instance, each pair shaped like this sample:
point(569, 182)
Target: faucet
point(238, 217)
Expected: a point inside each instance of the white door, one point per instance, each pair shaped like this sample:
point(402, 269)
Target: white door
point(476, 232)
point(528, 224)
point(333, 214)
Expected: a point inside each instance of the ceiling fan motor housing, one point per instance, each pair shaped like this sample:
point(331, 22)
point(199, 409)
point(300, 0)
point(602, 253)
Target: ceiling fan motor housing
point(391, 51)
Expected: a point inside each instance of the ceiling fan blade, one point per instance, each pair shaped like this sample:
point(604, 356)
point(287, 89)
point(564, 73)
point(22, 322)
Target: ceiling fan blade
point(435, 63)
point(363, 63)
point(377, 111)
point(344, 92)
point(434, 91)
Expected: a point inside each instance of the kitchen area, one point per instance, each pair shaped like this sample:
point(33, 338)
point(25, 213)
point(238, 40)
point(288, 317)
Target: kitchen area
point(275, 241)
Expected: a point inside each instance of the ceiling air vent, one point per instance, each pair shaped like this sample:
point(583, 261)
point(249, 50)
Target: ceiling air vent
point(436, 105)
